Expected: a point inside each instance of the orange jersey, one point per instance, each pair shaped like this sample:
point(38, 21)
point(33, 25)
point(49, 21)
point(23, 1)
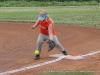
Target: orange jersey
point(44, 27)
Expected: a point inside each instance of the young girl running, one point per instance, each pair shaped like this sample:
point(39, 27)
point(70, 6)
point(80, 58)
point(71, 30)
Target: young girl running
point(47, 32)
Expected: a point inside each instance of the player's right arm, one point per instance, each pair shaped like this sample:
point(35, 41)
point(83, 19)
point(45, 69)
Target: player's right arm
point(35, 25)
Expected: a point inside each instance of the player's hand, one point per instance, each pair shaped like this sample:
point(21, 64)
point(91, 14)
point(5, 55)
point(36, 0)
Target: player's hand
point(32, 27)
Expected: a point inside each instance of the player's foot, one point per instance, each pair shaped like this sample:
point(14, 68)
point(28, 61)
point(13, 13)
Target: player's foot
point(65, 53)
point(37, 57)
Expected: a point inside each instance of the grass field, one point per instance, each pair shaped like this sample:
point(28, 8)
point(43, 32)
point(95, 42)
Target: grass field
point(75, 15)
point(66, 73)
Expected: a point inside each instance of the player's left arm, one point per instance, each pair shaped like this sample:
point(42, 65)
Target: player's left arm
point(50, 32)
point(50, 42)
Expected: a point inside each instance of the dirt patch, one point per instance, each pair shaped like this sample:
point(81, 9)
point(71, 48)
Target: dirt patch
point(17, 46)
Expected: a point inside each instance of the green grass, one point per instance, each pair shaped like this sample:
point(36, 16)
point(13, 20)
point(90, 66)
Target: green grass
point(75, 15)
point(66, 73)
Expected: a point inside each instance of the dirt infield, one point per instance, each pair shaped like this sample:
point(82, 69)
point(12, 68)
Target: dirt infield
point(17, 46)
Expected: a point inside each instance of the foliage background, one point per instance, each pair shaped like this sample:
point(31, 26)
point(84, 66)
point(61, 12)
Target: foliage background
point(43, 4)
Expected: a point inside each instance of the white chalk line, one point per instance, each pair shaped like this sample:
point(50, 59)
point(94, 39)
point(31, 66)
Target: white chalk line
point(92, 53)
point(31, 67)
point(44, 63)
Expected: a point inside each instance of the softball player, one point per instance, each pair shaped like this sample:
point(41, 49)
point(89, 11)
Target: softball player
point(47, 32)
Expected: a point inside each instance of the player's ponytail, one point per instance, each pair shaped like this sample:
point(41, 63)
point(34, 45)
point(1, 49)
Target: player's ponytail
point(48, 18)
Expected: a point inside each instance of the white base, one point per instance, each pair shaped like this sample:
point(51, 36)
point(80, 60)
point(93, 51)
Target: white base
point(67, 56)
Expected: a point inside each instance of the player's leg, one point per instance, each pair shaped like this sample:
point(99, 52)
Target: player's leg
point(59, 46)
point(41, 39)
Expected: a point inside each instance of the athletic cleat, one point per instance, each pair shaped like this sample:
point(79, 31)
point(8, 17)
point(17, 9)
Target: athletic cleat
point(37, 57)
point(65, 53)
